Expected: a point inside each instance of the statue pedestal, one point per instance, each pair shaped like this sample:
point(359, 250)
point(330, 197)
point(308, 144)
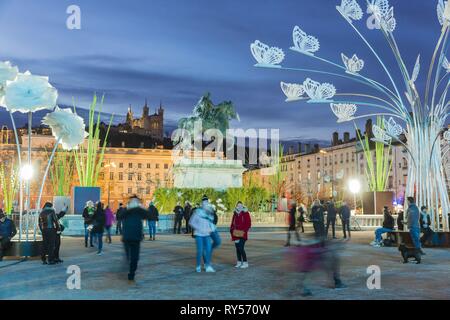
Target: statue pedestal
point(208, 173)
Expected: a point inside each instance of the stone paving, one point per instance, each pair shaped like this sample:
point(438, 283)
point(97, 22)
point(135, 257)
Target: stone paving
point(166, 271)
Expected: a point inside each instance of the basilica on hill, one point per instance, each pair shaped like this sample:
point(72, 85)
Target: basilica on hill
point(147, 124)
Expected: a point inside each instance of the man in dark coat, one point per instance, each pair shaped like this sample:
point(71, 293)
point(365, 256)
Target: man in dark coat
point(317, 218)
point(118, 222)
point(178, 210)
point(58, 235)
point(331, 218)
point(133, 232)
point(7, 232)
point(152, 219)
point(292, 224)
point(187, 216)
point(49, 226)
point(344, 214)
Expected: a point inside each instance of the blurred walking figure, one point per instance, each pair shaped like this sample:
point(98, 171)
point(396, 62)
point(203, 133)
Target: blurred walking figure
point(49, 226)
point(314, 255)
point(58, 235)
point(153, 217)
point(317, 218)
point(344, 214)
point(7, 232)
point(413, 219)
point(240, 225)
point(88, 213)
point(133, 232)
point(110, 219)
point(120, 210)
point(301, 217)
point(178, 220)
point(203, 227)
point(425, 226)
point(331, 219)
point(400, 221)
point(292, 224)
point(212, 215)
point(99, 222)
point(187, 216)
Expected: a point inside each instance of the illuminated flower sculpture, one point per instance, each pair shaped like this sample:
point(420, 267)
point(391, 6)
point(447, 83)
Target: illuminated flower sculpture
point(7, 73)
point(29, 93)
point(424, 116)
point(67, 127)
point(68, 130)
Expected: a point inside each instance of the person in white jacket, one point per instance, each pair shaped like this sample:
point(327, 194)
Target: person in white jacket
point(203, 227)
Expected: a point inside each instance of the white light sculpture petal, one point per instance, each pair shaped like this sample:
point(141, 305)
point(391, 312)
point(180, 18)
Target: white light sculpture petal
point(7, 73)
point(441, 13)
point(304, 43)
point(318, 92)
point(353, 64)
point(447, 136)
point(378, 7)
point(446, 65)
point(416, 70)
point(350, 10)
point(380, 135)
point(343, 111)
point(293, 91)
point(266, 56)
point(29, 93)
point(392, 128)
point(388, 22)
point(67, 127)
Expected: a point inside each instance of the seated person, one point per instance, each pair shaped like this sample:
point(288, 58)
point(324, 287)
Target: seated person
point(7, 232)
point(388, 226)
point(425, 223)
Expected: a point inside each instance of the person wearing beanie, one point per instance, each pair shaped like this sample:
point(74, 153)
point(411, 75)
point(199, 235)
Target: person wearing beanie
point(7, 232)
point(49, 226)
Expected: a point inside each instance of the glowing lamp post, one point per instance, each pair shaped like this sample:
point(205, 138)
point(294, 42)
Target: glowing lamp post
point(355, 187)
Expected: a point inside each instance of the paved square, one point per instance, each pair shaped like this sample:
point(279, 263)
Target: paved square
point(167, 271)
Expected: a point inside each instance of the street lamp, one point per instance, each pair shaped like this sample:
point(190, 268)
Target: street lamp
point(26, 172)
point(354, 186)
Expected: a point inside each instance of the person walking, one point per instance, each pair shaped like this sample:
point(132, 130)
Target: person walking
point(178, 219)
point(240, 225)
point(133, 232)
point(49, 226)
point(202, 226)
point(109, 221)
point(60, 215)
point(301, 218)
point(152, 219)
point(344, 215)
point(88, 213)
point(7, 232)
point(187, 216)
point(292, 222)
point(213, 218)
point(118, 221)
point(317, 219)
point(413, 223)
point(99, 222)
point(388, 226)
point(425, 226)
point(331, 219)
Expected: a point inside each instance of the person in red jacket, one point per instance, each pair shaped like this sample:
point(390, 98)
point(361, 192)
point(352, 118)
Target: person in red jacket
point(240, 225)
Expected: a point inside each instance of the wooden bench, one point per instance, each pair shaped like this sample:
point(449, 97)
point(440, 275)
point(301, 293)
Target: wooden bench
point(441, 239)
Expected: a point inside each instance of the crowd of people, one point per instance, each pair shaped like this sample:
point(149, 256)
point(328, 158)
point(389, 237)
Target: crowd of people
point(200, 221)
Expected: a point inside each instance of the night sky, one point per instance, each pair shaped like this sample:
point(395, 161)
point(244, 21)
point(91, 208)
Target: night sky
point(174, 51)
